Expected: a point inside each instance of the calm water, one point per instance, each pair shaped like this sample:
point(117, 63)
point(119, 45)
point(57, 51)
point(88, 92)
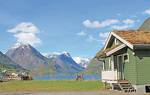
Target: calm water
point(67, 77)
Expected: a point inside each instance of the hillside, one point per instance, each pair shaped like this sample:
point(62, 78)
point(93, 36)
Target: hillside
point(145, 25)
point(29, 58)
point(7, 64)
point(94, 67)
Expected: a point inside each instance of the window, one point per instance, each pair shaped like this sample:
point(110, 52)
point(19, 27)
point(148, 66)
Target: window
point(111, 64)
point(126, 58)
point(147, 89)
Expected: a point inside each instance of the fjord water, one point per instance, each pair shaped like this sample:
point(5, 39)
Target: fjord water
point(67, 77)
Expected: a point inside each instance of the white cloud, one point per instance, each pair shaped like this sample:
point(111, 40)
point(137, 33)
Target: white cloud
point(103, 35)
point(90, 24)
point(27, 38)
point(128, 21)
point(82, 33)
point(97, 24)
point(109, 22)
point(25, 32)
point(147, 11)
point(25, 27)
point(120, 27)
point(92, 39)
point(101, 39)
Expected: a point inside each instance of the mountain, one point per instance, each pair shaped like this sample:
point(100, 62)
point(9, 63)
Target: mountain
point(145, 25)
point(82, 61)
point(64, 62)
point(29, 58)
point(7, 64)
point(94, 67)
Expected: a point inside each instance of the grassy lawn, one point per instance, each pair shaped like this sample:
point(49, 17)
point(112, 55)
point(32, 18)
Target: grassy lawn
point(13, 86)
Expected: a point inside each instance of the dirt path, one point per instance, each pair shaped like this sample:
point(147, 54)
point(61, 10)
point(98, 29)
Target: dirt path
point(103, 92)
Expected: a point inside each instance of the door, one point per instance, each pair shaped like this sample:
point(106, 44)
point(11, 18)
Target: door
point(120, 68)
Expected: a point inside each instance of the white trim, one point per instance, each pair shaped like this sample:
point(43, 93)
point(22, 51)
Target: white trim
point(112, 65)
point(103, 66)
point(107, 41)
point(115, 41)
point(109, 75)
point(115, 49)
point(127, 57)
point(118, 67)
point(122, 40)
point(110, 81)
point(109, 64)
point(118, 37)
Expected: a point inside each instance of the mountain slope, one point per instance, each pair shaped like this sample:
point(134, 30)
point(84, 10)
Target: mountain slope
point(145, 25)
point(82, 61)
point(64, 62)
point(7, 64)
point(94, 67)
point(28, 57)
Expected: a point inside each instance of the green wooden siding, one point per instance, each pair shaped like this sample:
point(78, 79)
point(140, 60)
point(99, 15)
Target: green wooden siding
point(137, 70)
point(130, 71)
point(143, 66)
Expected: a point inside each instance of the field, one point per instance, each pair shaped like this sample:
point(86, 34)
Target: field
point(50, 86)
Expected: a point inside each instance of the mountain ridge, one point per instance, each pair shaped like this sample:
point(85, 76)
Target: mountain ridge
point(145, 25)
point(65, 61)
point(30, 58)
point(82, 61)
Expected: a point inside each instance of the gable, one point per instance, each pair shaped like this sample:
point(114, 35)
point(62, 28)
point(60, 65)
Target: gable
point(114, 39)
point(133, 39)
point(114, 42)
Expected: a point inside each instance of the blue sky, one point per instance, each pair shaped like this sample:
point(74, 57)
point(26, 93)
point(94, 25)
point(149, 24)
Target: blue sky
point(79, 27)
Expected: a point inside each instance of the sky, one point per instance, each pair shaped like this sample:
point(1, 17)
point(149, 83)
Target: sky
point(79, 27)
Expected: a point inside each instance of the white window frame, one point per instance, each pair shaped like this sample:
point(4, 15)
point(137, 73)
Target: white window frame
point(127, 57)
point(110, 65)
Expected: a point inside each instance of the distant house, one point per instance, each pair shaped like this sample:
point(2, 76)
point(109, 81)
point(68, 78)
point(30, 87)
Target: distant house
point(126, 59)
point(10, 76)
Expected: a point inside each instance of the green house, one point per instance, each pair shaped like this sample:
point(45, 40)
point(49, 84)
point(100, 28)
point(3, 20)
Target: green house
point(126, 58)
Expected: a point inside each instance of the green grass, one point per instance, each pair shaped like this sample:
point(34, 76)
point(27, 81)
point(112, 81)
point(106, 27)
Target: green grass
point(14, 86)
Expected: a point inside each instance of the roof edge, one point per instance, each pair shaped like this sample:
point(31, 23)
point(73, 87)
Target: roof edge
point(123, 40)
point(141, 46)
point(115, 49)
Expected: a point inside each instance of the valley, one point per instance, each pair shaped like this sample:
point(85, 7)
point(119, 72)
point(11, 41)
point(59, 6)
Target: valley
point(24, 58)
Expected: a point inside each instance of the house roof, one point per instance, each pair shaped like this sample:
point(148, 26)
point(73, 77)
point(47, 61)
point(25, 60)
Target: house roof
point(134, 36)
point(134, 39)
point(131, 37)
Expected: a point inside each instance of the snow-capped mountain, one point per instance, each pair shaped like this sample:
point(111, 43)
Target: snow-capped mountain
point(29, 58)
point(56, 54)
point(57, 63)
point(64, 62)
point(82, 61)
